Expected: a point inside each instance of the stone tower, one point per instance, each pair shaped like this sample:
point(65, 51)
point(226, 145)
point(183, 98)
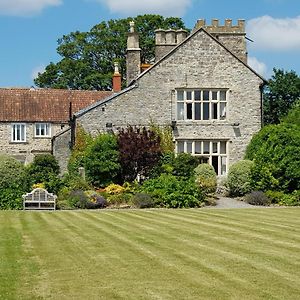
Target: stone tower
point(133, 58)
point(231, 36)
point(166, 40)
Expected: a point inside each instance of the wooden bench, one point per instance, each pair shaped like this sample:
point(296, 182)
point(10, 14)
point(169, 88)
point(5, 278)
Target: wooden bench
point(39, 199)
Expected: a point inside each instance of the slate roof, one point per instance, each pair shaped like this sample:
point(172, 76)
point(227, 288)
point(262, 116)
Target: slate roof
point(44, 105)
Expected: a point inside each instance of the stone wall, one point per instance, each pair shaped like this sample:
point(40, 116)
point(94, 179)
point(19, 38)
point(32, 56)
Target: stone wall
point(61, 149)
point(25, 151)
point(199, 63)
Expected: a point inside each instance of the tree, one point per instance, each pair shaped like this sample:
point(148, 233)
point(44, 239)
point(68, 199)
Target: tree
point(281, 94)
point(275, 151)
point(139, 151)
point(102, 160)
point(87, 57)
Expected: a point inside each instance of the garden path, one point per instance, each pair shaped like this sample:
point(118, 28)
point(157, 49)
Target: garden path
point(225, 202)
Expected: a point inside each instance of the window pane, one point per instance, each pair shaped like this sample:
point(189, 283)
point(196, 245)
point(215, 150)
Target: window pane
point(214, 96)
point(180, 147)
point(214, 108)
point(222, 95)
point(205, 111)
point(205, 95)
point(180, 111)
point(222, 110)
point(188, 95)
point(189, 147)
point(197, 95)
point(22, 129)
point(206, 147)
point(197, 147)
point(197, 111)
point(215, 147)
point(215, 163)
point(180, 95)
point(223, 147)
point(223, 165)
point(189, 111)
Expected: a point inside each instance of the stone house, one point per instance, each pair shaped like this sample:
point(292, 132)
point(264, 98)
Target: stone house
point(29, 118)
point(200, 84)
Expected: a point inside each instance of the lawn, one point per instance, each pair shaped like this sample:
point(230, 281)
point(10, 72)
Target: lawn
point(151, 254)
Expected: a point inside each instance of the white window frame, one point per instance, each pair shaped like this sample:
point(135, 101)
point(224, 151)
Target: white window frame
point(189, 146)
point(18, 137)
point(190, 100)
point(42, 127)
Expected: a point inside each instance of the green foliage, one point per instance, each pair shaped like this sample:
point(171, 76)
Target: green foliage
point(184, 165)
point(43, 169)
point(165, 135)
point(102, 160)
point(87, 57)
point(257, 198)
point(239, 178)
point(13, 183)
point(276, 153)
point(82, 141)
point(281, 198)
point(206, 178)
point(282, 93)
point(170, 191)
point(293, 116)
point(139, 151)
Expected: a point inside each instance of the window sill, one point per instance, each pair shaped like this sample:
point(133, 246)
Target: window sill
point(179, 122)
point(18, 142)
point(42, 137)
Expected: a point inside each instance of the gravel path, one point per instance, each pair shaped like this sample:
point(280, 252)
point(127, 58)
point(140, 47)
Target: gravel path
point(225, 202)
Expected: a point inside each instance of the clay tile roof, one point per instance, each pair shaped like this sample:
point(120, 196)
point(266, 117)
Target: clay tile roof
point(44, 105)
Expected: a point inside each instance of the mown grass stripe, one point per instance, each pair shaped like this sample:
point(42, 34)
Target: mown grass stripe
point(203, 266)
point(256, 252)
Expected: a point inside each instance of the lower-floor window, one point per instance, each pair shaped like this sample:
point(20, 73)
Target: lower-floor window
point(18, 132)
point(213, 152)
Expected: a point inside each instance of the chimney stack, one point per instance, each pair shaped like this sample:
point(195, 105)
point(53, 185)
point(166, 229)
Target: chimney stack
point(133, 58)
point(117, 79)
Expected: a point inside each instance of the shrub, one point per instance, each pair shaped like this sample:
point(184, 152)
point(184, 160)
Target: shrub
point(70, 199)
point(102, 160)
point(142, 200)
point(279, 197)
point(206, 178)
point(114, 189)
point(43, 168)
point(165, 134)
point(257, 198)
point(184, 165)
point(139, 151)
point(118, 200)
point(276, 149)
point(239, 178)
point(170, 191)
point(13, 183)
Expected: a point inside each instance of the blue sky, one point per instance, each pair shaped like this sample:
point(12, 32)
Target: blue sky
point(29, 29)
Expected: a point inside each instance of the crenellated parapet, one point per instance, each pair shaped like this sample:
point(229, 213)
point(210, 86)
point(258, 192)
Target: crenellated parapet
point(215, 26)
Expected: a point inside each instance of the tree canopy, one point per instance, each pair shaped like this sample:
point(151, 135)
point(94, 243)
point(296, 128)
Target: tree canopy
point(88, 57)
point(281, 94)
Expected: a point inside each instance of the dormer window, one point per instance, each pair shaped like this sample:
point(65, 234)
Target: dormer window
point(42, 130)
point(200, 104)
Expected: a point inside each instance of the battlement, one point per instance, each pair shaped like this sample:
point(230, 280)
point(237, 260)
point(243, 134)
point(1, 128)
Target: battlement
point(227, 28)
point(169, 36)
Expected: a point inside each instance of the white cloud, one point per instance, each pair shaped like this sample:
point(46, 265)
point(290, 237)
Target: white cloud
point(35, 72)
point(274, 34)
point(257, 66)
point(25, 7)
point(162, 7)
